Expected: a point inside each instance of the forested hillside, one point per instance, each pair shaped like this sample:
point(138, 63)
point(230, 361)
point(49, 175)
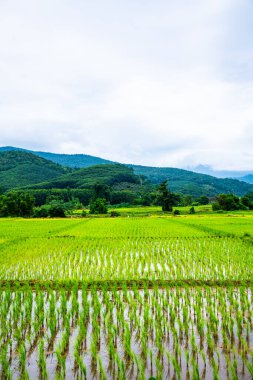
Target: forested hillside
point(247, 178)
point(18, 169)
point(69, 160)
point(110, 175)
point(196, 184)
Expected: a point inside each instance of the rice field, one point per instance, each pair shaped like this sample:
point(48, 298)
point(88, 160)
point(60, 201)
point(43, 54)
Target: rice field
point(127, 298)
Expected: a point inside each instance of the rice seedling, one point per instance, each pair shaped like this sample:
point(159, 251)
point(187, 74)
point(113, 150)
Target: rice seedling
point(125, 299)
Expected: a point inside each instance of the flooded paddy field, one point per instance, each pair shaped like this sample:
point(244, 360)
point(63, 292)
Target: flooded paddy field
point(126, 298)
point(180, 332)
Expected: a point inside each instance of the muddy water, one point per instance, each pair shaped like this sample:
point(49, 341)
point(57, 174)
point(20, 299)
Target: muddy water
point(173, 332)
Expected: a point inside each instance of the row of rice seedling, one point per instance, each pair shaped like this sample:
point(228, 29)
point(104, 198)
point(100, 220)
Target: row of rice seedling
point(180, 332)
point(93, 259)
point(237, 225)
point(81, 299)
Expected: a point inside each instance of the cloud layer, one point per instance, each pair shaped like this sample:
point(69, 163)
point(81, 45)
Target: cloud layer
point(159, 83)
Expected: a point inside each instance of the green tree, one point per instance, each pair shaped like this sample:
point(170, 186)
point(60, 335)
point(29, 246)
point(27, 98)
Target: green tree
point(16, 204)
point(187, 200)
point(228, 202)
point(56, 209)
point(247, 200)
point(26, 204)
point(101, 190)
point(98, 206)
point(203, 200)
point(165, 197)
point(192, 210)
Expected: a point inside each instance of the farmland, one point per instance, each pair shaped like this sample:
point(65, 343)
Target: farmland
point(127, 298)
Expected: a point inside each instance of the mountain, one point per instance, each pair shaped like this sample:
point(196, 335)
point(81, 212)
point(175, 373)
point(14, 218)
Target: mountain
point(247, 178)
point(69, 160)
point(196, 184)
point(117, 175)
point(109, 174)
point(206, 169)
point(136, 178)
point(18, 168)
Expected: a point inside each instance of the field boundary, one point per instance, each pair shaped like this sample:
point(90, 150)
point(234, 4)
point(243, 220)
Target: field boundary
point(121, 284)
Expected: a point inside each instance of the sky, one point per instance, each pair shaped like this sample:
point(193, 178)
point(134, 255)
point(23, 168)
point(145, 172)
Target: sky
point(161, 83)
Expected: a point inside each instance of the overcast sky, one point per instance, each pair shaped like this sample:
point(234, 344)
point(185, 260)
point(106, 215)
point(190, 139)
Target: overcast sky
point(162, 82)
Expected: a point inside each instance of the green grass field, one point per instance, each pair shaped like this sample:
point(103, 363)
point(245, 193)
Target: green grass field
point(131, 297)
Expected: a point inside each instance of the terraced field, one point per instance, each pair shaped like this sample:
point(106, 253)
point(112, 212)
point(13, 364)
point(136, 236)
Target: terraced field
point(127, 298)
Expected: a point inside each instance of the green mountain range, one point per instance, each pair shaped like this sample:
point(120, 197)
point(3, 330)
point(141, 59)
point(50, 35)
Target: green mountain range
point(247, 178)
point(68, 160)
point(18, 169)
point(21, 168)
point(112, 175)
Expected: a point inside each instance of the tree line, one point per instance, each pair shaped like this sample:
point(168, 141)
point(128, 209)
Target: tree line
point(61, 202)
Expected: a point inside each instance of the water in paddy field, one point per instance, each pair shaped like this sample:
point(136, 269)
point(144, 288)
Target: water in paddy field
point(133, 334)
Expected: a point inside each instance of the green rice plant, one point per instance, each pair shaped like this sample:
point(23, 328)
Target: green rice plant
point(5, 367)
point(137, 289)
point(22, 362)
point(42, 361)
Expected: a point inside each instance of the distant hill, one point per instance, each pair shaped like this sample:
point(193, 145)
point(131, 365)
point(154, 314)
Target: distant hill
point(109, 174)
point(196, 184)
point(247, 178)
point(19, 169)
point(206, 169)
point(69, 160)
point(118, 175)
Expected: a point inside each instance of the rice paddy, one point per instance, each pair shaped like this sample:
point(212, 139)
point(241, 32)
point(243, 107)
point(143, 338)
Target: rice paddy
point(127, 298)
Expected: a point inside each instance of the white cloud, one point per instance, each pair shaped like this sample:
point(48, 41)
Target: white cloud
point(157, 83)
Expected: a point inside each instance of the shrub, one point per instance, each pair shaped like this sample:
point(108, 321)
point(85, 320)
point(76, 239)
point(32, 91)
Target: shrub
point(114, 214)
point(216, 206)
point(98, 206)
point(41, 212)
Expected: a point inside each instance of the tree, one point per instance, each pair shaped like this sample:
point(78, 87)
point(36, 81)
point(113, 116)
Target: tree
point(228, 202)
point(247, 200)
point(101, 190)
point(203, 200)
point(16, 204)
point(192, 210)
point(98, 206)
point(165, 197)
point(56, 209)
point(187, 200)
point(26, 204)
point(41, 212)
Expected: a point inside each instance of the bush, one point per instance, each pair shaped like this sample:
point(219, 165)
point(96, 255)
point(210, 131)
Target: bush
point(16, 204)
point(98, 206)
point(53, 210)
point(176, 212)
point(41, 212)
point(114, 214)
point(203, 200)
point(56, 212)
point(229, 202)
point(192, 210)
point(216, 206)
point(56, 209)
